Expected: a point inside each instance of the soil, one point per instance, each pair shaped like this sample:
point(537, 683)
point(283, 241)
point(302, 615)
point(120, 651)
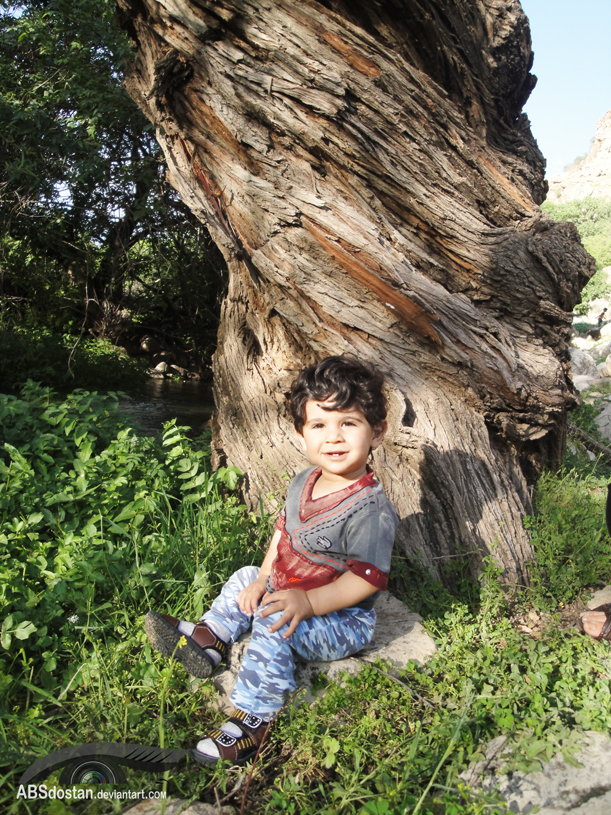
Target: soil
point(534, 623)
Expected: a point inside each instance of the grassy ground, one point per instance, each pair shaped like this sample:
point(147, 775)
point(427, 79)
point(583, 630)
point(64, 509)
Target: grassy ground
point(110, 524)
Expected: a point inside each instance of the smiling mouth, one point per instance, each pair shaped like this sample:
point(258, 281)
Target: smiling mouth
point(338, 454)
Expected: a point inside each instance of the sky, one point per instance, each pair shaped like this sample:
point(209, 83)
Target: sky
point(572, 44)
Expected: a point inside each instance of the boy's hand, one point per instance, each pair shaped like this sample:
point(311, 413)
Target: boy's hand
point(248, 598)
point(294, 603)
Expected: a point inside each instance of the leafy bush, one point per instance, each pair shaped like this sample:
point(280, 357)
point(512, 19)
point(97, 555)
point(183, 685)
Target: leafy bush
point(59, 361)
point(597, 286)
point(86, 511)
point(592, 217)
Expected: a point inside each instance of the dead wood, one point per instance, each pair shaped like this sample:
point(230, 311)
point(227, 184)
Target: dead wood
point(589, 442)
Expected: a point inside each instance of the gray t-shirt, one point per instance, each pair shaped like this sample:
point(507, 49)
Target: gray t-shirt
point(352, 529)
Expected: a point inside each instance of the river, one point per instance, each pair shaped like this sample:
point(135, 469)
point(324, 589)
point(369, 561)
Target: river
point(160, 400)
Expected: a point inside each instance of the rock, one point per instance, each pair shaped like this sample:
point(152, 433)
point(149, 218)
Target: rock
point(582, 363)
point(399, 636)
point(149, 345)
point(591, 175)
point(583, 382)
point(601, 350)
point(605, 331)
point(599, 598)
point(163, 356)
point(606, 369)
point(173, 807)
point(161, 367)
point(582, 343)
point(177, 370)
point(557, 788)
point(603, 420)
point(572, 449)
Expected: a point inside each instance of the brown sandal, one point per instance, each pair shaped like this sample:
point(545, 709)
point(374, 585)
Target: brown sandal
point(164, 636)
point(237, 750)
point(605, 632)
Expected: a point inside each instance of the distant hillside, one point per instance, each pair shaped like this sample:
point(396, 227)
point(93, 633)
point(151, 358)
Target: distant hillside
point(589, 176)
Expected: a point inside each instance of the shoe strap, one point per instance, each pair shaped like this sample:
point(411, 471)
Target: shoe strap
point(249, 724)
point(231, 748)
point(206, 638)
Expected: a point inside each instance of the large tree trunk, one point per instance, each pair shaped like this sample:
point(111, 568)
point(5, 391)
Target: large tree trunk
point(367, 172)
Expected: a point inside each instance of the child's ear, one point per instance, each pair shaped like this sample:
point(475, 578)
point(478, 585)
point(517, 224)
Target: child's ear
point(300, 439)
point(379, 431)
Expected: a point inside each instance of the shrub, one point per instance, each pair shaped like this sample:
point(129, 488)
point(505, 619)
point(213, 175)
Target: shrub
point(60, 360)
point(592, 217)
point(88, 520)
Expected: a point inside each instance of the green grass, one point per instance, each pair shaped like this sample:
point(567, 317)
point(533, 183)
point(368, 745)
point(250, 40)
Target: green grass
point(569, 537)
point(139, 524)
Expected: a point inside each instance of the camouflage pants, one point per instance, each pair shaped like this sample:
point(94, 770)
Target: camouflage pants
point(266, 673)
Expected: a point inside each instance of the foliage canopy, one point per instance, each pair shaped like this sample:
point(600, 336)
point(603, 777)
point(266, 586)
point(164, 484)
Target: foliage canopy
point(93, 235)
point(592, 217)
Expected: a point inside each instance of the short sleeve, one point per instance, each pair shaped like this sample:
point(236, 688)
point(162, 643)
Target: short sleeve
point(370, 534)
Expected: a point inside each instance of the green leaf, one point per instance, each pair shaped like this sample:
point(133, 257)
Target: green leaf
point(24, 629)
point(331, 745)
point(125, 514)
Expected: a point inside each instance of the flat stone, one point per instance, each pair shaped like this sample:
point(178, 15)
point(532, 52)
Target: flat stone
point(399, 636)
point(558, 788)
point(599, 598)
point(173, 806)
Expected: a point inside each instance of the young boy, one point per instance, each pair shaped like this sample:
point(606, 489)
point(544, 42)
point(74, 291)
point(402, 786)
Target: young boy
point(328, 559)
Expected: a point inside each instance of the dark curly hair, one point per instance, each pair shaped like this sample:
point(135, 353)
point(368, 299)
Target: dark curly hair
point(349, 382)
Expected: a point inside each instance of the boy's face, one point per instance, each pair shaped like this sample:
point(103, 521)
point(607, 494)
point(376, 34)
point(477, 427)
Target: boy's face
point(338, 441)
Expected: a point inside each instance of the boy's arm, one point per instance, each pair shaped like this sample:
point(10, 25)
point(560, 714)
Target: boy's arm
point(298, 605)
point(348, 590)
point(248, 598)
point(266, 566)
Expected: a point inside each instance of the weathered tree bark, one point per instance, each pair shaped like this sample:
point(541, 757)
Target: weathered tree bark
point(368, 174)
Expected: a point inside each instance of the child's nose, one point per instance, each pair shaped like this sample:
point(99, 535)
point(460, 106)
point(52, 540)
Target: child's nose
point(334, 434)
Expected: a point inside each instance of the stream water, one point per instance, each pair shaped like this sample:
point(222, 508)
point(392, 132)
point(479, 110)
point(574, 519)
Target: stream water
point(161, 400)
